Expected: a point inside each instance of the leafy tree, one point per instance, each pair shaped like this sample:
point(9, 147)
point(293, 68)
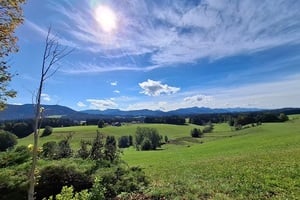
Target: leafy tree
point(195, 132)
point(47, 131)
point(146, 144)
point(11, 17)
point(283, 117)
point(100, 124)
point(143, 133)
point(7, 140)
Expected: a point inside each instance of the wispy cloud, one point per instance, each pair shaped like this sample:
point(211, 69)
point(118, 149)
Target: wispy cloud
point(156, 88)
point(80, 68)
point(81, 104)
point(102, 104)
point(43, 31)
point(114, 83)
point(182, 31)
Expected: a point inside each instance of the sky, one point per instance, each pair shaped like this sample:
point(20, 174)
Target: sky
point(153, 54)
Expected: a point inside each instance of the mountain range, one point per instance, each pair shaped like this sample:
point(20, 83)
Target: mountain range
point(26, 111)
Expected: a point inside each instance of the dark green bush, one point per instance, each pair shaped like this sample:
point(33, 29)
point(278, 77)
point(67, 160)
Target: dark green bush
point(195, 132)
point(22, 129)
point(119, 180)
point(7, 140)
point(50, 150)
point(53, 178)
point(47, 131)
point(64, 149)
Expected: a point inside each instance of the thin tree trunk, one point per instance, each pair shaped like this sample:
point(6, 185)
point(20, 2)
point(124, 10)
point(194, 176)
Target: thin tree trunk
point(53, 53)
point(38, 110)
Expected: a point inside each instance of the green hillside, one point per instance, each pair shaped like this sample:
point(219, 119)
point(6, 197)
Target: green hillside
point(255, 163)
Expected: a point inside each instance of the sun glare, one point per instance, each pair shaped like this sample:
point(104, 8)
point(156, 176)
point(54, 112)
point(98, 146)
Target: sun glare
point(106, 18)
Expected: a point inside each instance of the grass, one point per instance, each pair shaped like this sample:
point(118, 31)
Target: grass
point(256, 163)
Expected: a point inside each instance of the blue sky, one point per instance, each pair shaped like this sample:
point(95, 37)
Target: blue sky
point(163, 54)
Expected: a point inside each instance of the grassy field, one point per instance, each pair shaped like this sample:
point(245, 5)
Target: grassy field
point(256, 163)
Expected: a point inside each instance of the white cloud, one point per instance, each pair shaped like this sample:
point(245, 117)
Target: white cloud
point(81, 104)
point(182, 32)
point(46, 97)
point(102, 104)
point(117, 91)
point(276, 94)
point(115, 83)
point(156, 88)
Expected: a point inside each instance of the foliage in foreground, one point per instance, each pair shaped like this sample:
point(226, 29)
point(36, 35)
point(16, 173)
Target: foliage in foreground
point(101, 173)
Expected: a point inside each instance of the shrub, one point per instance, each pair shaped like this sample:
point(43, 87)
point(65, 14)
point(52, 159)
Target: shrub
point(123, 142)
point(47, 131)
point(195, 132)
point(207, 129)
point(64, 150)
point(119, 180)
point(110, 149)
point(7, 140)
point(166, 139)
point(96, 152)
point(50, 150)
point(15, 157)
point(67, 193)
point(22, 129)
point(84, 152)
point(53, 178)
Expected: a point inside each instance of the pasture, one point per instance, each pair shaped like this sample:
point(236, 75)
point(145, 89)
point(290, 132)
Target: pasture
point(260, 162)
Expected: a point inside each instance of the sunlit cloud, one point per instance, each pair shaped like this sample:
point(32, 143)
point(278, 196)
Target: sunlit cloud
point(184, 32)
point(117, 91)
point(156, 88)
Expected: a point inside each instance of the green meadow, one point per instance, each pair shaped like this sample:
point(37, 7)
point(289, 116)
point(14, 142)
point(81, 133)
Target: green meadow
point(261, 162)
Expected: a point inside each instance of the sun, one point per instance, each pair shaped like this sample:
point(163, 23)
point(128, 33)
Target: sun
point(106, 18)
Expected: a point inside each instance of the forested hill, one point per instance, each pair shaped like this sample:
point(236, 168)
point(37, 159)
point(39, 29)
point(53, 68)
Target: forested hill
point(26, 111)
